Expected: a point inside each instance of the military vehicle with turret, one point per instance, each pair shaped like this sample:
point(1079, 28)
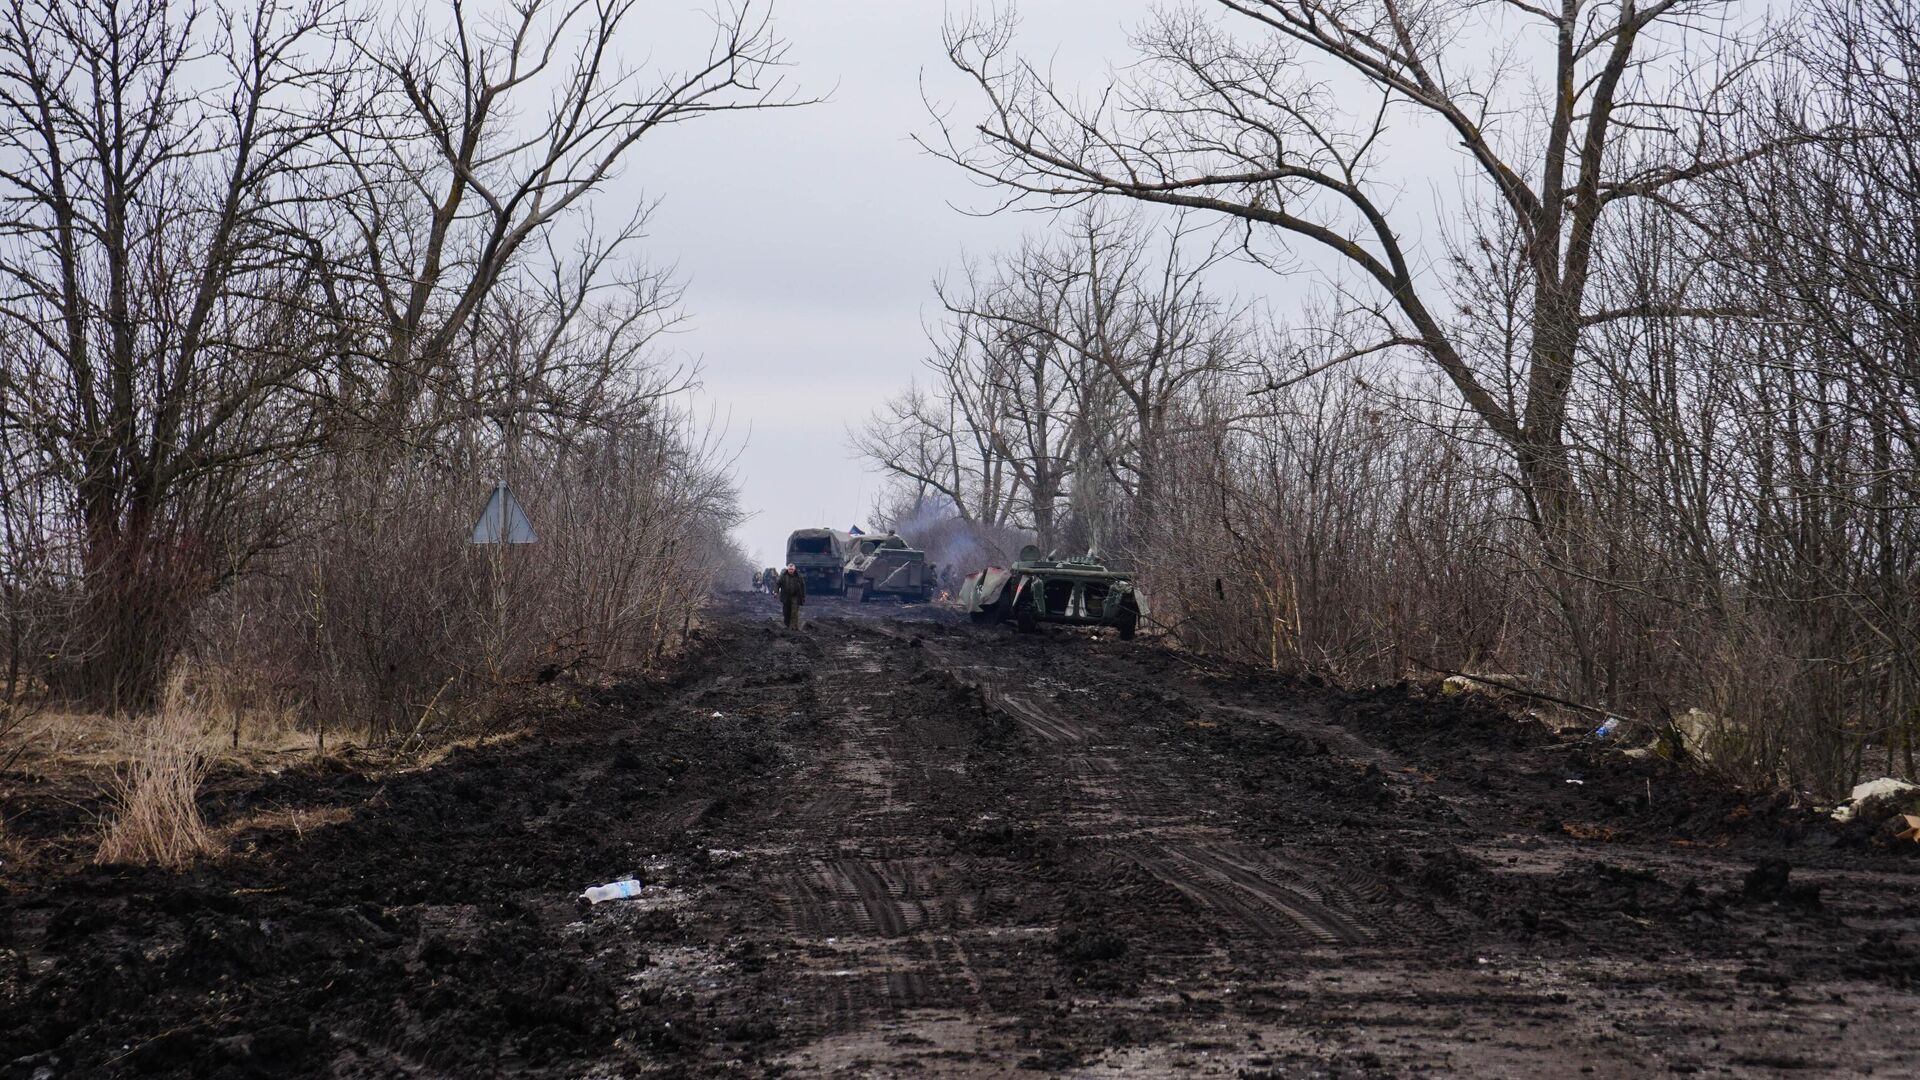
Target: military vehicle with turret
point(887, 566)
point(1078, 591)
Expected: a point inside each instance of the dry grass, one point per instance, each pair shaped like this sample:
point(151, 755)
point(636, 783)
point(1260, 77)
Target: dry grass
point(241, 835)
point(58, 741)
point(297, 821)
point(13, 853)
point(158, 817)
point(433, 753)
point(247, 721)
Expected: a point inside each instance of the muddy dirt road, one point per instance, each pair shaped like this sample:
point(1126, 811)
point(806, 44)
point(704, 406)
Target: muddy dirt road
point(897, 845)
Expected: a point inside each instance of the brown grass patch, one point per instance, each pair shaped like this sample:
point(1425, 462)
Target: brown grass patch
point(1579, 831)
point(158, 820)
point(297, 821)
point(13, 851)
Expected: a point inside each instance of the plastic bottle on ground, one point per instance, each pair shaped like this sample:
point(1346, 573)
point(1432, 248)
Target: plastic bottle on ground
point(624, 889)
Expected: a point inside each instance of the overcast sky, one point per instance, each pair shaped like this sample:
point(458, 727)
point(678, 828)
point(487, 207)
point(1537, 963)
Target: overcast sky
point(810, 238)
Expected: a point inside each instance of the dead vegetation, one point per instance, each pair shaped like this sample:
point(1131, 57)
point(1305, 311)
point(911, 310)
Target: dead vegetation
point(156, 816)
point(234, 835)
point(160, 782)
point(13, 853)
point(256, 449)
point(1631, 417)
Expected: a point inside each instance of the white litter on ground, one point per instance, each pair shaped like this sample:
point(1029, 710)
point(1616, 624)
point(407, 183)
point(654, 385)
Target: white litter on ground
point(1872, 789)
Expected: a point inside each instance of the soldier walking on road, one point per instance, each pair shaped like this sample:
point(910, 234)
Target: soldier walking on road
point(793, 593)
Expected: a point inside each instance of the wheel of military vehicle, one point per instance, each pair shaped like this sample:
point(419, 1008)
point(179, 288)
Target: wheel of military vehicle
point(1027, 616)
point(1127, 621)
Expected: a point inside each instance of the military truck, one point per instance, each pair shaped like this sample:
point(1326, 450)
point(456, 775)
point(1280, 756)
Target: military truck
point(1079, 591)
point(887, 566)
point(821, 557)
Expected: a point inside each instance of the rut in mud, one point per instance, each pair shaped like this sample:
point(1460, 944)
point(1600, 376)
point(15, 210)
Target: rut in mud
point(896, 844)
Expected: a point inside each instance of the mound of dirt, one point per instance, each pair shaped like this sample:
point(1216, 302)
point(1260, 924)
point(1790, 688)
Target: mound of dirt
point(1770, 882)
point(1403, 718)
point(433, 923)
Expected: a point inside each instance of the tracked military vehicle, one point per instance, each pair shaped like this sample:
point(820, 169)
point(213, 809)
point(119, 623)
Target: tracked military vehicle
point(820, 555)
point(1078, 591)
point(887, 566)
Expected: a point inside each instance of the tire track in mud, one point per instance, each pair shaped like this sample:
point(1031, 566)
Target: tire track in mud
point(1129, 811)
point(1265, 895)
point(889, 919)
point(891, 899)
point(1047, 726)
point(996, 687)
point(846, 863)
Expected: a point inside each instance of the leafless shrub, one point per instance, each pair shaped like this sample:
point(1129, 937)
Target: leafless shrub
point(389, 624)
point(156, 818)
point(285, 297)
point(1663, 455)
point(1342, 531)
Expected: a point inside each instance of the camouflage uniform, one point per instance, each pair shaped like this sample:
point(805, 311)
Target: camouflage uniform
point(793, 593)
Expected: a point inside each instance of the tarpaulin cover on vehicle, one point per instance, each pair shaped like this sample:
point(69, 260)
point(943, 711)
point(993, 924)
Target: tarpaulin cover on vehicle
point(980, 591)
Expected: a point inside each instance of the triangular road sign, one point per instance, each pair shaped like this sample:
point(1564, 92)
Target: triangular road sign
point(504, 521)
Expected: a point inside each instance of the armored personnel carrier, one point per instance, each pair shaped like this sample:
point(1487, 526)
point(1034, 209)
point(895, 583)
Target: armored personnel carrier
point(1078, 591)
point(887, 566)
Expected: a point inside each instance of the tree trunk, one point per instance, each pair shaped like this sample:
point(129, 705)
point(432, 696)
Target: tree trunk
point(137, 596)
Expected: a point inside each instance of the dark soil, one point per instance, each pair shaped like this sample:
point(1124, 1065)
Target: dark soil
point(895, 843)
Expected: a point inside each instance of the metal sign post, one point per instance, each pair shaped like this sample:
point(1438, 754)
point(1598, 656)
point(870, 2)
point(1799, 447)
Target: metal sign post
point(504, 521)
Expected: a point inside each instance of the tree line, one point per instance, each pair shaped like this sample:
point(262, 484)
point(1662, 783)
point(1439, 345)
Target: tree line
point(284, 286)
point(1615, 394)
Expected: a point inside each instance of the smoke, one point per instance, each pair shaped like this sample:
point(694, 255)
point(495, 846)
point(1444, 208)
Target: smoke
point(935, 527)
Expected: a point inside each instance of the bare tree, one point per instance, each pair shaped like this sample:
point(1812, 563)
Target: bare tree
point(1006, 321)
point(1277, 117)
point(1662, 458)
point(259, 261)
point(158, 307)
point(1092, 341)
point(938, 443)
point(480, 134)
point(1821, 516)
